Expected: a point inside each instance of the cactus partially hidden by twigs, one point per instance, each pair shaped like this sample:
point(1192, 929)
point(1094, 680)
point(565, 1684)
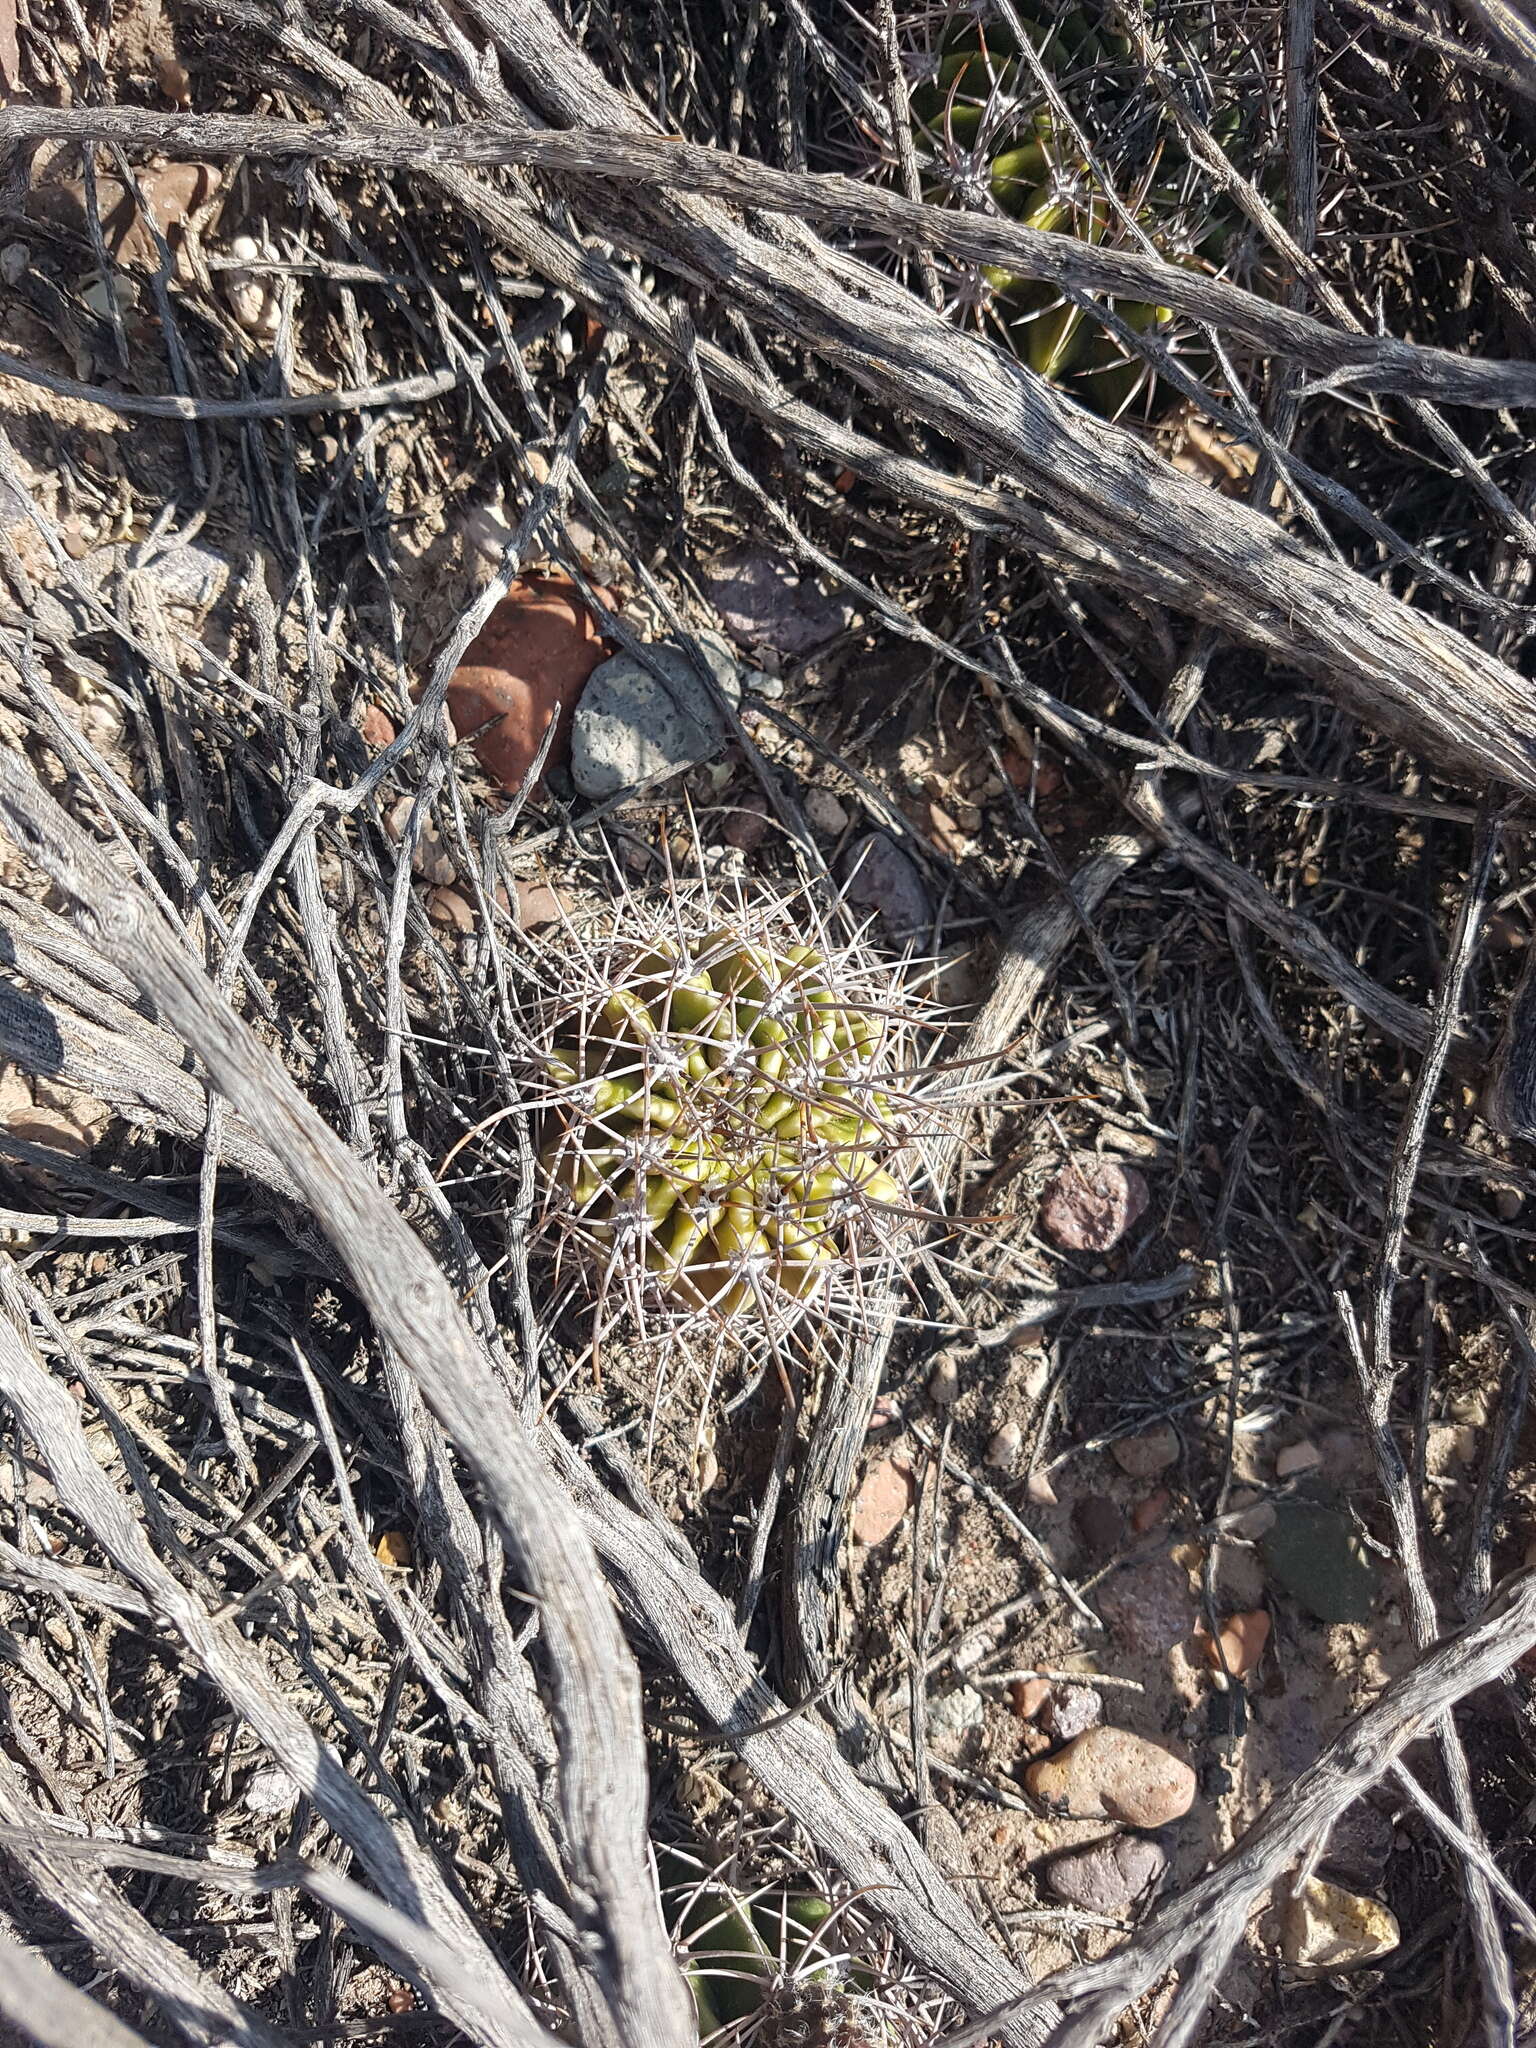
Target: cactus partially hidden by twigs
point(1043, 114)
point(777, 1965)
point(729, 1116)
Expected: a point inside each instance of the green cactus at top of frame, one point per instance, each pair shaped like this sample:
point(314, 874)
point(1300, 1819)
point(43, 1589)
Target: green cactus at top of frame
point(987, 134)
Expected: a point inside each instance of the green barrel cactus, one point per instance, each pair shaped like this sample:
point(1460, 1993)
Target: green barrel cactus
point(724, 1118)
point(767, 1966)
point(989, 138)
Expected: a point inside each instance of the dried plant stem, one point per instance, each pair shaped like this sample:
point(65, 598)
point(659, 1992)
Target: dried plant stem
point(1086, 498)
point(596, 1688)
point(1198, 1930)
point(1344, 359)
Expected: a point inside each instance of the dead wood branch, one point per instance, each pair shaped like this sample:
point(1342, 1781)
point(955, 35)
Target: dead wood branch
point(44, 2007)
point(124, 1939)
point(813, 1581)
point(483, 2000)
point(1206, 1921)
point(1339, 359)
point(1091, 499)
point(596, 1688)
point(694, 1630)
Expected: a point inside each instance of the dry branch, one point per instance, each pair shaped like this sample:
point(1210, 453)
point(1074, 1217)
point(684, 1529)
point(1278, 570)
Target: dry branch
point(790, 1753)
point(1207, 1919)
point(483, 2000)
point(1341, 360)
point(125, 1940)
point(596, 1688)
point(813, 1580)
point(1093, 500)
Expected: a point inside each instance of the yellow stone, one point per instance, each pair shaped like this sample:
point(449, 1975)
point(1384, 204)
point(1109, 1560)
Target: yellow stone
point(1324, 1928)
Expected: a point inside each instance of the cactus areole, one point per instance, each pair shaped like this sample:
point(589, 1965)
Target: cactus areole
point(722, 1125)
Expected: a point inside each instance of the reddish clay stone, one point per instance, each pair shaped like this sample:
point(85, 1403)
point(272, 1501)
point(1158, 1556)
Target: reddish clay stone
point(171, 191)
point(1089, 1204)
point(376, 726)
point(534, 653)
point(1148, 1513)
point(1029, 1696)
point(883, 1501)
point(1239, 1643)
point(538, 904)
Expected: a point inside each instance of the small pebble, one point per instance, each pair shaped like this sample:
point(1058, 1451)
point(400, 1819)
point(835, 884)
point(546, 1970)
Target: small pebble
point(885, 1414)
point(1238, 1580)
point(1345, 1451)
point(880, 877)
point(1359, 1847)
point(1070, 1711)
point(1238, 1644)
point(376, 727)
point(944, 1380)
point(765, 599)
point(1029, 1696)
point(1040, 1490)
point(641, 719)
point(1090, 1203)
point(1296, 1459)
point(270, 1793)
point(1148, 1606)
point(945, 832)
point(956, 1714)
point(1111, 1774)
point(428, 857)
point(448, 907)
point(252, 298)
point(1145, 1456)
point(1151, 1512)
point(747, 826)
point(883, 1501)
point(1107, 1876)
point(538, 904)
point(1003, 1450)
point(825, 814)
point(1249, 1514)
point(1325, 1928)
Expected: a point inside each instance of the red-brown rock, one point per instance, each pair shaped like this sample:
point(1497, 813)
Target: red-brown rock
point(1090, 1204)
point(171, 191)
point(1149, 1513)
point(530, 661)
point(1238, 1645)
point(538, 904)
point(376, 726)
point(1029, 1696)
point(883, 1501)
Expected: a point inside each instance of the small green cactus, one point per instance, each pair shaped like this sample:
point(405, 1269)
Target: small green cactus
point(724, 1117)
point(991, 140)
point(768, 1969)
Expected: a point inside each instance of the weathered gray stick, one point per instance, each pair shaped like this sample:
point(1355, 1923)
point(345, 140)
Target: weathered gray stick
point(596, 1689)
point(1353, 361)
